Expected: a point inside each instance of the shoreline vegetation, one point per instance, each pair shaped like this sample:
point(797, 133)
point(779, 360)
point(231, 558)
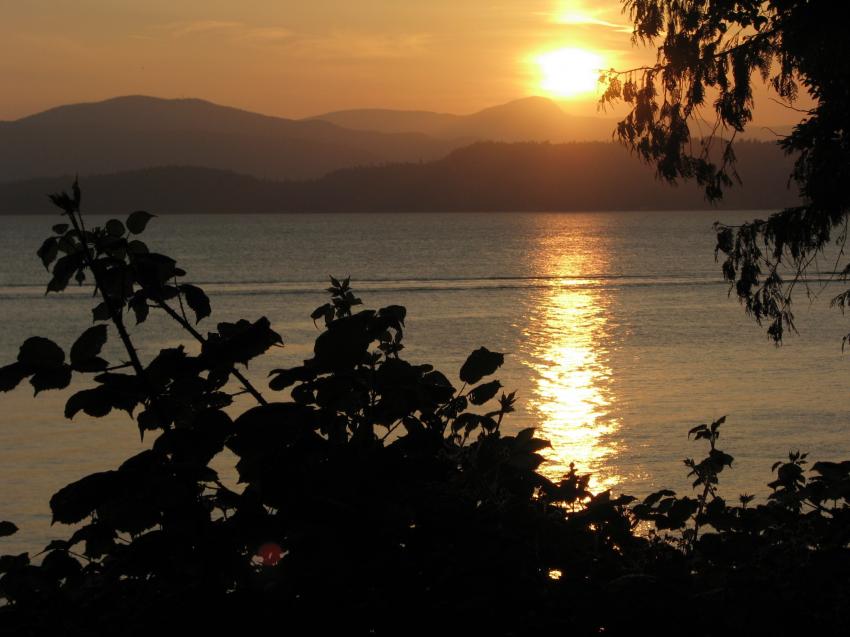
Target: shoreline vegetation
point(378, 497)
point(487, 176)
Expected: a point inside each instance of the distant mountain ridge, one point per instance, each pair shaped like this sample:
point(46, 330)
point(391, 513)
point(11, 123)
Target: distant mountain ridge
point(527, 119)
point(138, 132)
point(135, 132)
point(482, 177)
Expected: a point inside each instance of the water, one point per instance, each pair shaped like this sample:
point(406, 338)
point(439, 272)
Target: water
point(618, 331)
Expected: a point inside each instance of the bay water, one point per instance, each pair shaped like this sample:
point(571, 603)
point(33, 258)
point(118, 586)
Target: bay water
point(618, 330)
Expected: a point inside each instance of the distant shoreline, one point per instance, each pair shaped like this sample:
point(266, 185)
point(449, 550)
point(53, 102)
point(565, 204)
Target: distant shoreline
point(484, 177)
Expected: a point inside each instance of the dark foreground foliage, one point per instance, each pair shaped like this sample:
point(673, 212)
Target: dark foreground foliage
point(375, 496)
point(710, 53)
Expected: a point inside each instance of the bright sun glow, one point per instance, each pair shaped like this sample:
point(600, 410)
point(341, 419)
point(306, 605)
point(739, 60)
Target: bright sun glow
point(569, 72)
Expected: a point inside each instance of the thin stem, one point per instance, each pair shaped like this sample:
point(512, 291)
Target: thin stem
point(185, 324)
point(114, 313)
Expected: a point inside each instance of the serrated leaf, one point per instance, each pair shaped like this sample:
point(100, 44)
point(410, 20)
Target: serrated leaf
point(481, 394)
point(74, 502)
point(51, 378)
point(94, 402)
point(11, 376)
point(39, 353)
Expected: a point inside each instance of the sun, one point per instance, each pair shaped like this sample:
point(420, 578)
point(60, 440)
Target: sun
point(569, 72)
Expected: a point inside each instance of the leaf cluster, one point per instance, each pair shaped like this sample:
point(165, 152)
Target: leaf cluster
point(709, 54)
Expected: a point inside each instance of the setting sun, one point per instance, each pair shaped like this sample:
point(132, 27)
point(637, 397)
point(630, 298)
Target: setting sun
point(569, 72)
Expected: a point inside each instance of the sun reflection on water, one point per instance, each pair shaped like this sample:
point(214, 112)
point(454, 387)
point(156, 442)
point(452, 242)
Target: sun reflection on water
point(571, 391)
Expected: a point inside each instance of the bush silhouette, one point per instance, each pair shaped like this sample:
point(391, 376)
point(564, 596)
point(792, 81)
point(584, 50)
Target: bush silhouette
point(376, 497)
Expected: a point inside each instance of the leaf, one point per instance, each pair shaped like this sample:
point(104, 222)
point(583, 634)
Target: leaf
point(139, 305)
point(154, 270)
point(87, 347)
point(51, 378)
point(60, 228)
point(325, 310)
point(115, 228)
point(39, 353)
point(395, 313)
point(284, 378)
point(48, 251)
point(74, 502)
point(63, 270)
point(60, 565)
point(7, 529)
point(481, 394)
point(100, 312)
point(138, 221)
point(63, 201)
point(11, 376)
point(697, 430)
point(482, 362)
point(467, 421)
point(197, 299)
point(137, 247)
point(239, 342)
point(99, 539)
point(95, 402)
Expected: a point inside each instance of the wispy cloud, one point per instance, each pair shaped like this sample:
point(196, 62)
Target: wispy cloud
point(588, 20)
point(338, 44)
point(226, 28)
point(361, 46)
point(577, 13)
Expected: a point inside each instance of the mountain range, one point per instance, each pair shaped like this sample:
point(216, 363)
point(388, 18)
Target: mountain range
point(178, 151)
point(136, 132)
point(531, 119)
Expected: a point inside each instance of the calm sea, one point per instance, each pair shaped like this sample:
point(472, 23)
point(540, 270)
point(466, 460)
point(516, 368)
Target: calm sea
point(618, 331)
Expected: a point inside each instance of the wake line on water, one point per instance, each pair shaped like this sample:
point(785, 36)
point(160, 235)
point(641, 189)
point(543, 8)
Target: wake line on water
point(363, 286)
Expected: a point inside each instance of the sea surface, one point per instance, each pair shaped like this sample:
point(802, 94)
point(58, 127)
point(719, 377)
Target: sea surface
point(618, 331)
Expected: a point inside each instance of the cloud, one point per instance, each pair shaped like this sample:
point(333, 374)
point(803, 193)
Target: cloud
point(576, 13)
point(361, 46)
point(231, 29)
point(583, 19)
point(322, 46)
point(199, 27)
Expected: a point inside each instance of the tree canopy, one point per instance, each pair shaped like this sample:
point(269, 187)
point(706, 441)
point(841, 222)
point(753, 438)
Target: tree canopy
point(709, 54)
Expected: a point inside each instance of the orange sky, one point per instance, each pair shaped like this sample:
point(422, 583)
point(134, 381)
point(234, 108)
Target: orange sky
point(297, 58)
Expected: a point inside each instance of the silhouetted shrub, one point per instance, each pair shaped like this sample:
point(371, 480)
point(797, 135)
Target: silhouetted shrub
point(376, 497)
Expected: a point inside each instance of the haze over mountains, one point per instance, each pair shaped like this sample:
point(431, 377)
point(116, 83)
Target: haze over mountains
point(531, 119)
point(129, 133)
point(175, 153)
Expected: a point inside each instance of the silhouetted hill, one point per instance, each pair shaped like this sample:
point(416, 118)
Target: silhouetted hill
point(482, 177)
point(529, 119)
point(129, 133)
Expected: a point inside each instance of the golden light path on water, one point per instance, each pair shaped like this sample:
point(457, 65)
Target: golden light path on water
point(571, 391)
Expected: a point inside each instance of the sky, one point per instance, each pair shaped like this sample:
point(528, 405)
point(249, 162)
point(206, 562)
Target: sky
point(302, 58)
